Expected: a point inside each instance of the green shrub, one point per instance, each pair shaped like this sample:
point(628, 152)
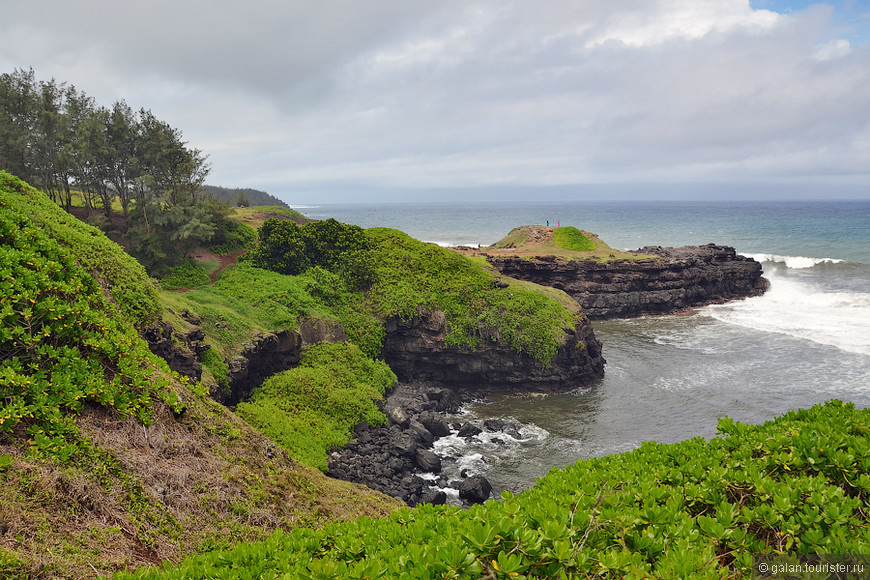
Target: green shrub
point(697, 509)
point(288, 248)
point(313, 407)
point(62, 343)
point(570, 238)
point(233, 237)
point(125, 279)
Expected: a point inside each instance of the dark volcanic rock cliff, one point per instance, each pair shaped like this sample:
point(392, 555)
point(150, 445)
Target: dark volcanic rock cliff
point(416, 350)
point(676, 279)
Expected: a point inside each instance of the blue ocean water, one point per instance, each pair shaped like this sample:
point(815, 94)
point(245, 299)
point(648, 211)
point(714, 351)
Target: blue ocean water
point(669, 378)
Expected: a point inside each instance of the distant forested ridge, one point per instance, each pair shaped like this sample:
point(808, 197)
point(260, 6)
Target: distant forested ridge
point(243, 196)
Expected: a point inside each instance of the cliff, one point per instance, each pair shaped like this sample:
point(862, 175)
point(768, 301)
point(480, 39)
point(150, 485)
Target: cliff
point(416, 351)
point(668, 280)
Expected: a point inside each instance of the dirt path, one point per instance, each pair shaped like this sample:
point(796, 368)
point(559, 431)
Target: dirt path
point(225, 262)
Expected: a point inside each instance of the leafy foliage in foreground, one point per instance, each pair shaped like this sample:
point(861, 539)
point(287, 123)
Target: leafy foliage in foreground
point(571, 238)
point(699, 509)
point(62, 342)
point(313, 407)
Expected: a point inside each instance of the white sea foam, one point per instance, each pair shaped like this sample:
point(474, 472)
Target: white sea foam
point(444, 244)
point(794, 262)
point(794, 308)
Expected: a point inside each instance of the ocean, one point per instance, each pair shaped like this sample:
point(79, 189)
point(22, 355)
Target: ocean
point(670, 378)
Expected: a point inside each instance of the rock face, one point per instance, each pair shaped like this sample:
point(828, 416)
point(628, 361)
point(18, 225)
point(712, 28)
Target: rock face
point(415, 350)
point(274, 352)
point(676, 279)
point(181, 352)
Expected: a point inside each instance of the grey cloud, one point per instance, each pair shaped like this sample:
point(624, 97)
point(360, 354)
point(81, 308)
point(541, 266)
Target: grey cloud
point(440, 94)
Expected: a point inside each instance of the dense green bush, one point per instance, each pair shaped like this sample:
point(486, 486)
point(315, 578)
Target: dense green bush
point(62, 343)
point(697, 509)
point(571, 238)
point(233, 237)
point(313, 407)
point(288, 248)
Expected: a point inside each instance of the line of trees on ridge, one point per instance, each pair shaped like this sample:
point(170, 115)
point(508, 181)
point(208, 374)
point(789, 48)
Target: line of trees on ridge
point(57, 138)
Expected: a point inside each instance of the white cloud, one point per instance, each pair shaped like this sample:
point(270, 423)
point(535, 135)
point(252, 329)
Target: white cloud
point(454, 93)
point(833, 49)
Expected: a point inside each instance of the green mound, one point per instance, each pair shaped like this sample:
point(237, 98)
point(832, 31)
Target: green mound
point(571, 238)
point(312, 408)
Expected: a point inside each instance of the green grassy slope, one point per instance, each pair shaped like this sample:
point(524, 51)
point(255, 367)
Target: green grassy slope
point(107, 459)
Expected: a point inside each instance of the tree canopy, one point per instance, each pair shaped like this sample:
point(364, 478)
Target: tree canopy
point(120, 161)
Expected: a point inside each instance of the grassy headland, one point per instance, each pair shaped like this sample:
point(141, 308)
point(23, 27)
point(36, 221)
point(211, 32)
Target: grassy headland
point(564, 242)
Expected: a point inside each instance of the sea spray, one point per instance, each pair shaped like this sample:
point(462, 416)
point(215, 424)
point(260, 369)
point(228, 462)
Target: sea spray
point(798, 309)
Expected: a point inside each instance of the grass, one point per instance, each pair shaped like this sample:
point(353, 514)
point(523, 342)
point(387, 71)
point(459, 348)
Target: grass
point(255, 216)
point(313, 407)
point(565, 242)
point(570, 238)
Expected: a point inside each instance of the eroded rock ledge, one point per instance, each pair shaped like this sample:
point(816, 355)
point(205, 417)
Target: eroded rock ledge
point(675, 279)
point(416, 351)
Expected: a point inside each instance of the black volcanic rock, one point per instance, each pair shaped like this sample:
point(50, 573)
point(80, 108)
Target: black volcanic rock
point(673, 279)
point(475, 489)
point(416, 350)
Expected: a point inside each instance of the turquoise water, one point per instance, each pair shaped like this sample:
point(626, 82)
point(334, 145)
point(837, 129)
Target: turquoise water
point(670, 378)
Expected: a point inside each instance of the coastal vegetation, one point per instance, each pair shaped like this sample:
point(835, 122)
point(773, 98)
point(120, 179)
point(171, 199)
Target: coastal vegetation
point(794, 486)
point(110, 462)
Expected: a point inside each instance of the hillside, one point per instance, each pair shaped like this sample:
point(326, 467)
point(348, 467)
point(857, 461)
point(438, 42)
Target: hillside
point(251, 197)
point(108, 460)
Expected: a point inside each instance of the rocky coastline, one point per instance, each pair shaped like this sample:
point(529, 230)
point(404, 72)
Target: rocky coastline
point(399, 459)
point(671, 280)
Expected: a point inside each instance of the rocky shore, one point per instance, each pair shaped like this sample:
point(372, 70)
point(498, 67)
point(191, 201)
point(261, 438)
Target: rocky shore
point(671, 280)
point(398, 458)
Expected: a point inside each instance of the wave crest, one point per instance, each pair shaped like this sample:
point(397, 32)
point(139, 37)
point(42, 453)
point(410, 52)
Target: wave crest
point(793, 262)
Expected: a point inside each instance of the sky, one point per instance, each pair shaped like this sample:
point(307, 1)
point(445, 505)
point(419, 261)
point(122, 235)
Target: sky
point(415, 100)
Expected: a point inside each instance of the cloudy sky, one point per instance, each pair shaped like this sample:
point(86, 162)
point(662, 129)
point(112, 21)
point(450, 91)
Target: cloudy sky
point(364, 100)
